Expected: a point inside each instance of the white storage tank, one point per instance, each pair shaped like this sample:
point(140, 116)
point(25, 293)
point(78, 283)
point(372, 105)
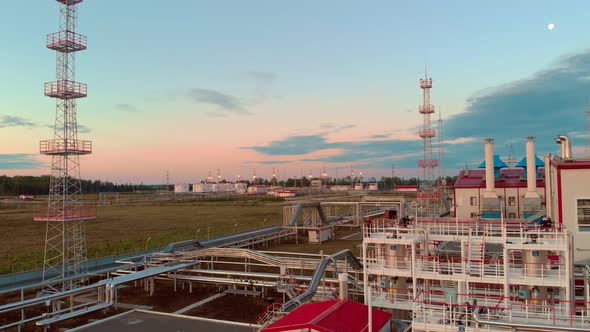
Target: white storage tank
point(181, 188)
point(202, 188)
point(395, 256)
point(535, 262)
point(373, 186)
point(240, 187)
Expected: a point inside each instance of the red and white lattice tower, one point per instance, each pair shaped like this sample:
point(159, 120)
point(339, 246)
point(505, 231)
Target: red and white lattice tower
point(427, 133)
point(65, 241)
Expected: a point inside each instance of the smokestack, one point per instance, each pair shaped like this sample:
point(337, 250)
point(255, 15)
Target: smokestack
point(343, 283)
point(548, 186)
point(490, 181)
point(531, 169)
point(566, 146)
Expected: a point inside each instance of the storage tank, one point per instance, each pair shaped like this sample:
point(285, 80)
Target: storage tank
point(395, 256)
point(534, 262)
point(181, 188)
point(399, 289)
point(202, 187)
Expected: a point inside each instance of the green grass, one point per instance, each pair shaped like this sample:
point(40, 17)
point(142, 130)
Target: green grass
point(125, 229)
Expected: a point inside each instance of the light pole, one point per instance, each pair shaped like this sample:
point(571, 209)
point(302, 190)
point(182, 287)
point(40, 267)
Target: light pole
point(146, 248)
point(208, 233)
point(415, 205)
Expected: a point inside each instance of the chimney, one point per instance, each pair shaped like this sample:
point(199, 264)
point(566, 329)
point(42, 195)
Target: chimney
point(490, 181)
point(548, 187)
point(531, 169)
point(343, 283)
point(566, 146)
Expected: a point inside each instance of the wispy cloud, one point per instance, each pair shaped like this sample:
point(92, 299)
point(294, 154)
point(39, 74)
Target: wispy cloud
point(127, 108)
point(84, 129)
point(224, 102)
point(20, 161)
point(548, 102)
point(7, 121)
point(263, 85)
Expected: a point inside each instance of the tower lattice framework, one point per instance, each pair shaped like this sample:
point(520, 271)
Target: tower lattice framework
point(66, 213)
point(428, 194)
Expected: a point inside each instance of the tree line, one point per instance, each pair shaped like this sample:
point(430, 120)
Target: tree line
point(39, 185)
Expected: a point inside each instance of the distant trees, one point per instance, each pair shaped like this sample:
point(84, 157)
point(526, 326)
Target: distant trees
point(39, 185)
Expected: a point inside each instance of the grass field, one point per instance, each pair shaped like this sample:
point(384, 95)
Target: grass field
point(125, 229)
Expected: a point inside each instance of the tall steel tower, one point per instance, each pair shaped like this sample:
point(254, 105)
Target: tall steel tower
point(429, 194)
point(427, 133)
point(65, 241)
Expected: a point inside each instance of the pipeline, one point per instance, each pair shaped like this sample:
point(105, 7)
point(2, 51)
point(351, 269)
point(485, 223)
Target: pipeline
point(317, 277)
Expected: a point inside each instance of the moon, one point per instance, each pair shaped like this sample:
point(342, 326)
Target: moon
point(551, 26)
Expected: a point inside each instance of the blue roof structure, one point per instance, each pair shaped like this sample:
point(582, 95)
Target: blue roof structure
point(538, 162)
point(498, 163)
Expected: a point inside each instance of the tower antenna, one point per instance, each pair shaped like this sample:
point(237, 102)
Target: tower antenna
point(427, 193)
point(66, 214)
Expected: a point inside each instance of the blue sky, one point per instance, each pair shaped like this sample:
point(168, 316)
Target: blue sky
point(192, 86)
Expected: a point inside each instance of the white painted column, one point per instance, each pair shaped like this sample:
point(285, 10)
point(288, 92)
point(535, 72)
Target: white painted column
point(531, 169)
point(489, 157)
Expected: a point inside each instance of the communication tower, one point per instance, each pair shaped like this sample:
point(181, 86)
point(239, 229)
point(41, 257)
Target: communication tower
point(428, 193)
point(66, 213)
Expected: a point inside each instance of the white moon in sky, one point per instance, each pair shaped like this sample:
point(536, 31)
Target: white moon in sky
point(551, 26)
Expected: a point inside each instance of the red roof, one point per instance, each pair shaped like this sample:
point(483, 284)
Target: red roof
point(331, 316)
point(509, 178)
point(571, 163)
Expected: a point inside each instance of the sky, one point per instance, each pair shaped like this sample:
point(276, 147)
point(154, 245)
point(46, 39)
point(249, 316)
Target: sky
point(194, 86)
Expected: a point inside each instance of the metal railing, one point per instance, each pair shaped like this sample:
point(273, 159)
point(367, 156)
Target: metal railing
point(56, 146)
point(66, 40)
point(435, 307)
point(384, 261)
point(518, 232)
point(66, 89)
point(71, 213)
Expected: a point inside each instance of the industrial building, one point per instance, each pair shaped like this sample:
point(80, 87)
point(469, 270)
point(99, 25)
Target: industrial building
point(207, 187)
point(515, 192)
point(486, 271)
point(332, 316)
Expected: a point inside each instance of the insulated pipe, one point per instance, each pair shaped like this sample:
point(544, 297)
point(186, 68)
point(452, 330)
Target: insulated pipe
point(489, 157)
point(548, 187)
point(566, 146)
point(343, 284)
point(531, 168)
